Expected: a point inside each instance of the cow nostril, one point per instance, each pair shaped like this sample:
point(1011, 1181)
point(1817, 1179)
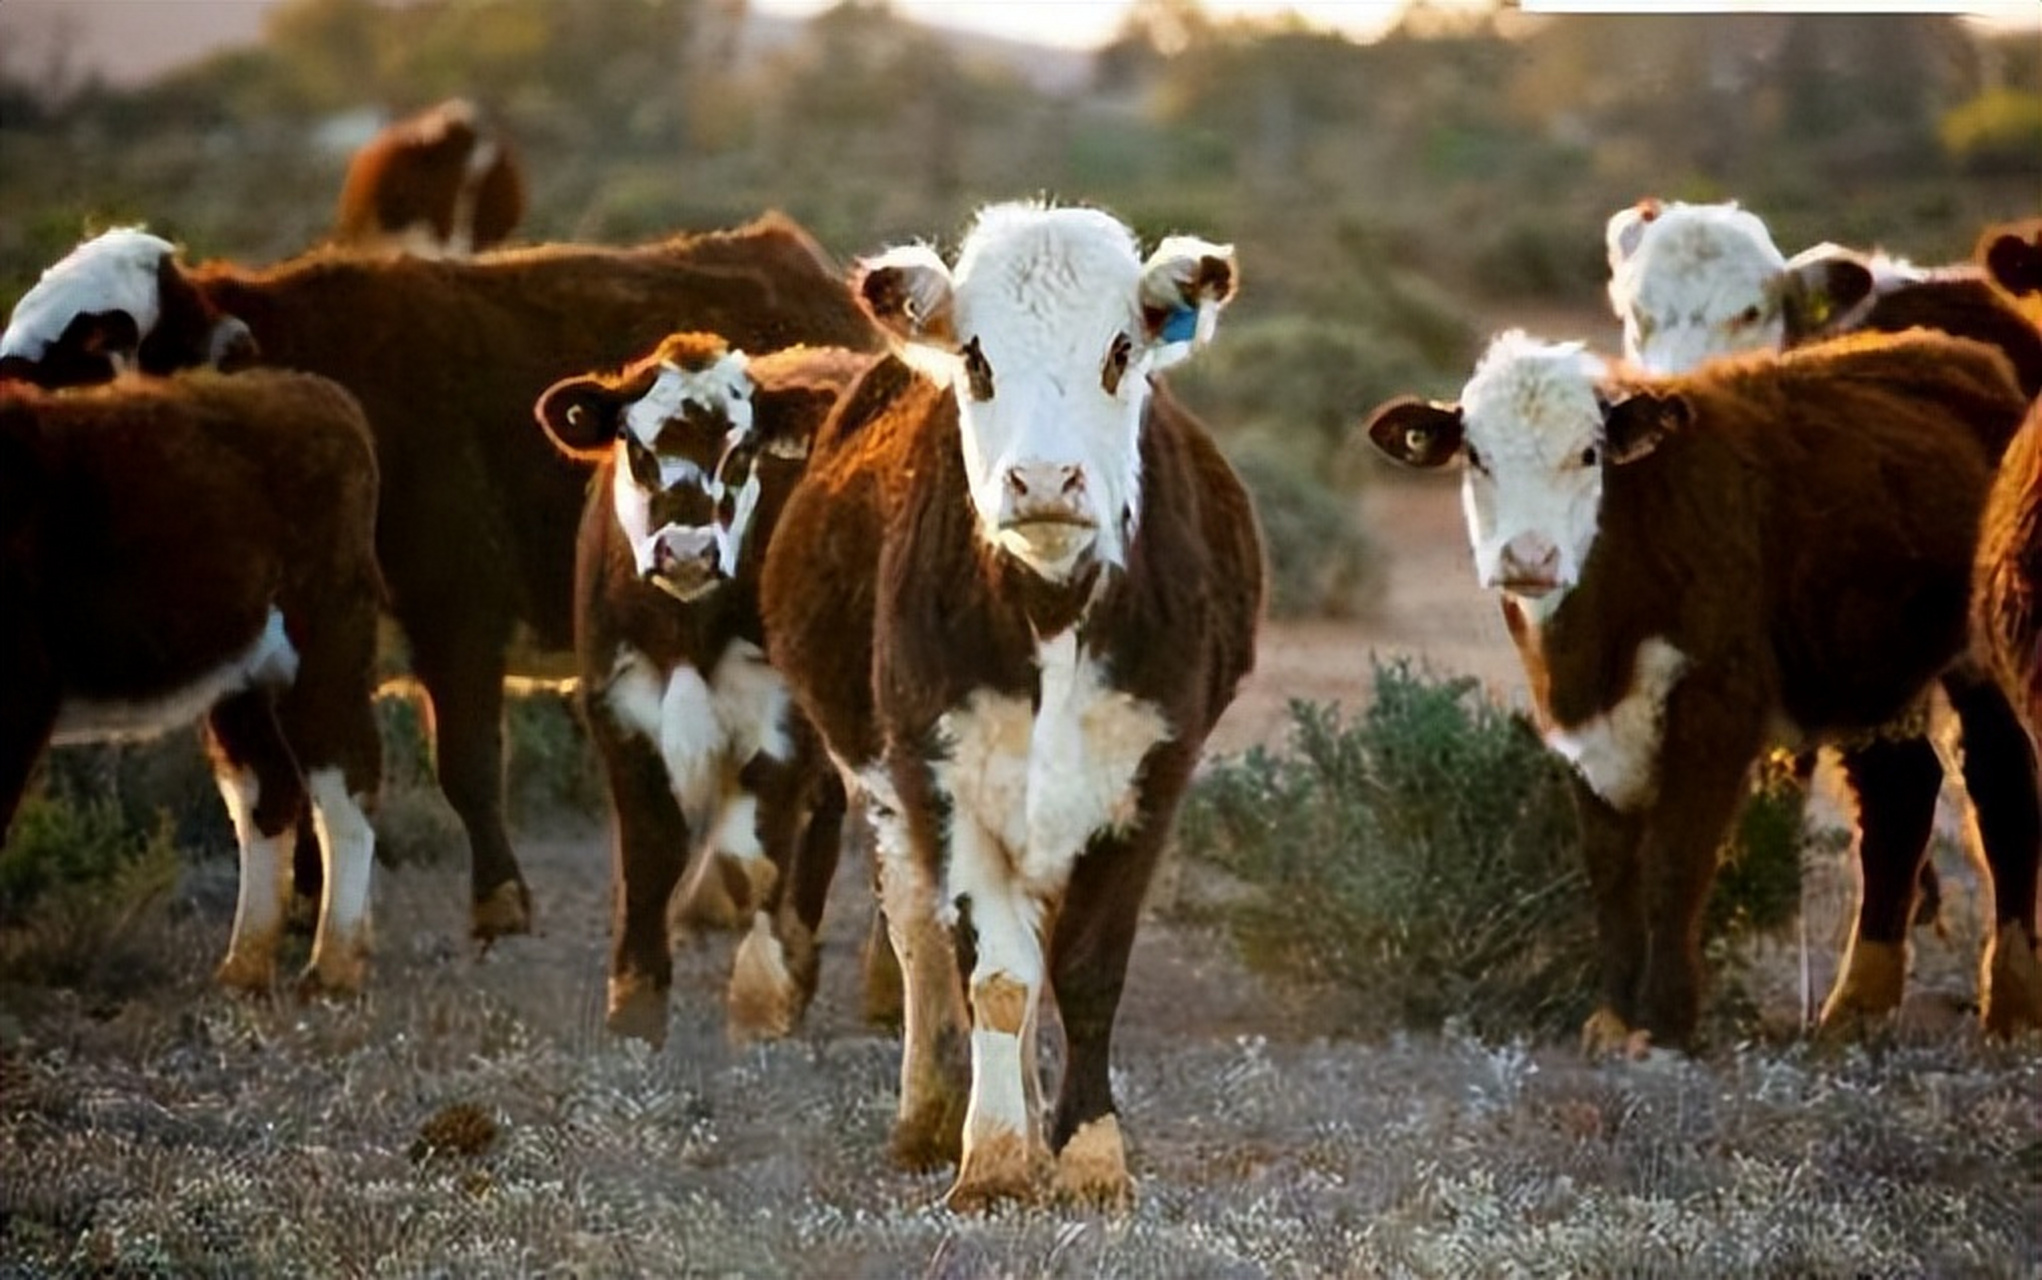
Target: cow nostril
point(1017, 484)
point(1074, 481)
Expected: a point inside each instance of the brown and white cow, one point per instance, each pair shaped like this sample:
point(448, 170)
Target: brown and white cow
point(203, 547)
point(1693, 282)
point(476, 531)
point(695, 449)
point(441, 181)
point(1771, 548)
point(1014, 592)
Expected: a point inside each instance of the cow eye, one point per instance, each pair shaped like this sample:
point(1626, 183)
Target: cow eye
point(977, 371)
point(1591, 456)
point(1748, 317)
point(1116, 363)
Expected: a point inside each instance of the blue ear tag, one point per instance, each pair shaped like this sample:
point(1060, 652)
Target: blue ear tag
point(1181, 325)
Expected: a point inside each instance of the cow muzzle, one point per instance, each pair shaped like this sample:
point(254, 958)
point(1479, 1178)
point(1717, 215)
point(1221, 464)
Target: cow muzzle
point(1529, 566)
point(1046, 515)
point(682, 562)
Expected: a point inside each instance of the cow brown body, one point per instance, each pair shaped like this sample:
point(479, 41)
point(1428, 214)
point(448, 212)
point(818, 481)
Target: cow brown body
point(439, 181)
point(695, 730)
point(203, 546)
point(1791, 558)
point(478, 512)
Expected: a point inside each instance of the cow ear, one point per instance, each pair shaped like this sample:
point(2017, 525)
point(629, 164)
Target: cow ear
point(1635, 423)
point(908, 292)
point(1185, 284)
point(2015, 264)
point(1823, 290)
point(583, 416)
point(1626, 230)
point(1417, 433)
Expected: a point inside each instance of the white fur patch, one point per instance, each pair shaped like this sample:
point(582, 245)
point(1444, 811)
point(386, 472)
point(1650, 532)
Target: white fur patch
point(1699, 284)
point(1531, 418)
point(269, 660)
point(730, 539)
point(347, 843)
point(1618, 751)
point(722, 387)
point(259, 908)
point(114, 271)
point(705, 729)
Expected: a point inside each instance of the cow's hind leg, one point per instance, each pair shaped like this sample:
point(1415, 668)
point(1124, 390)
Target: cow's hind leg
point(330, 719)
point(461, 666)
point(1999, 775)
point(1894, 782)
point(259, 781)
point(800, 824)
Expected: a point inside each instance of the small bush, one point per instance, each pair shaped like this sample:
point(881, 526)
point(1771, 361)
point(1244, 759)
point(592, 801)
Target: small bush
point(75, 879)
point(1427, 854)
point(552, 768)
point(1322, 560)
point(1995, 133)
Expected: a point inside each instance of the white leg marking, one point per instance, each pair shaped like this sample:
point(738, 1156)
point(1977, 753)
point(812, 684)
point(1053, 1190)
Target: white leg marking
point(1618, 751)
point(1005, 984)
point(259, 908)
point(347, 844)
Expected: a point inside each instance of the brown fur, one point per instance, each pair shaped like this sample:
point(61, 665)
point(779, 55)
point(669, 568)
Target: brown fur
point(418, 176)
point(800, 800)
point(148, 527)
point(885, 610)
point(478, 510)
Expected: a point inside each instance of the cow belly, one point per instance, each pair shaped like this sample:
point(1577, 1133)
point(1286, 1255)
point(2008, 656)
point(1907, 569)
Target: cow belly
point(268, 659)
point(703, 727)
point(1617, 752)
point(1042, 783)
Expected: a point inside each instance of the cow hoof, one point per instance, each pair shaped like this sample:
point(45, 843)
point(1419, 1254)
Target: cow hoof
point(334, 980)
point(1868, 986)
point(504, 910)
point(638, 1010)
point(1091, 1170)
point(1005, 1166)
point(248, 975)
point(708, 902)
point(2010, 983)
point(765, 1000)
point(931, 1137)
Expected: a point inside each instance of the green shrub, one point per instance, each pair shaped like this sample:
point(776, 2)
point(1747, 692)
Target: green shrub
point(1995, 133)
point(552, 770)
point(1426, 854)
point(74, 880)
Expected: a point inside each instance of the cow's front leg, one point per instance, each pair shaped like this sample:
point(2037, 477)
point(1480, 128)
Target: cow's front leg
point(928, 1126)
point(1609, 846)
point(1004, 1156)
point(650, 849)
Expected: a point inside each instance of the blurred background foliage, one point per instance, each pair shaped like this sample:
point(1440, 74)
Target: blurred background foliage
point(1392, 201)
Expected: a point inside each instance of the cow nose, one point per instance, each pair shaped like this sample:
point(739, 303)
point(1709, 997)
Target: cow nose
point(1531, 558)
point(1045, 482)
point(665, 559)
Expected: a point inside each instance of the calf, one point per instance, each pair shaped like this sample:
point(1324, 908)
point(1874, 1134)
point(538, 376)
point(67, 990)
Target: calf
point(697, 735)
point(1773, 546)
point(1698, 281)
point(477, 525)
point(204, 547)
point(1015, 590)
point(438, 182)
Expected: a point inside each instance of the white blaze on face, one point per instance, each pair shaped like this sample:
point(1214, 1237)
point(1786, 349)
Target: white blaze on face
point(115, 271)
point(720, 392)
point(1046, 294)
point(1696, 282)
point(1532, 487)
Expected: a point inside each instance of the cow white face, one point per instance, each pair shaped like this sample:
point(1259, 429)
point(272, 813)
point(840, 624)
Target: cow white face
point(666, 423)
point(1047, 333)
point(97, 302)
point(1537, 437)
point(1692, 282)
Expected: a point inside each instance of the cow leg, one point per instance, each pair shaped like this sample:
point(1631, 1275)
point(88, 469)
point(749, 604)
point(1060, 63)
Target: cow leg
point(2000, 776)
point(1895, 783)
point(648, 853)
point(774, 976)
point(1610, 847)
point(1712, 745)
point(264, 794)
point(928, 1128)
point(463, 677)
point(307, 879)
point(27, 715)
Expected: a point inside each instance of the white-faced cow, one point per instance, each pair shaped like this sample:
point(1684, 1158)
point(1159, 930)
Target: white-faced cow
point(1014, 592)
point(1693, 282)
point(476, 530)
point(695, 449)
point(1771, 548)
point(203, 547)
point(438, 182)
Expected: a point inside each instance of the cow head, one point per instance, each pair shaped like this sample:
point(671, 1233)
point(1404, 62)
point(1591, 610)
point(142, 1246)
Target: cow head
point(1047, 331)
point(1537, 432)
point(666, 420)
point(116, 302)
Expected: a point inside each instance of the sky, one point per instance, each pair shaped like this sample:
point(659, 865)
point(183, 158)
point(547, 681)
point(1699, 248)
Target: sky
point(1089, 23)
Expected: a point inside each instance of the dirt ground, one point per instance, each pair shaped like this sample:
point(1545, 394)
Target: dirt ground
point(167, 1130)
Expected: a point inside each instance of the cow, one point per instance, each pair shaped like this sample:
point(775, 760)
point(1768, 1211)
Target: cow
point(441, 181)
point(1774, 547)
point(1693, 282)
point(203, 548)
point(1014, 591)
point(695, 448)
point(476, 528)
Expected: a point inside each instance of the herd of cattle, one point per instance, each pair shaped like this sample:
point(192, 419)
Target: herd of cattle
point(933, 545)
